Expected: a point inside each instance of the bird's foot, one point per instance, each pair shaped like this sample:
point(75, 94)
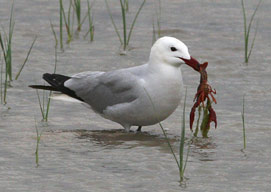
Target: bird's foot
point(139, 129)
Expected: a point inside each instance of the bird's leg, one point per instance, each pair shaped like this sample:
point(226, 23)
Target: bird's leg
point(126, 128)
point(139, 129)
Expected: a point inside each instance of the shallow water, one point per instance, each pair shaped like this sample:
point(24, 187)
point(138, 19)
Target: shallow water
point(79, 150)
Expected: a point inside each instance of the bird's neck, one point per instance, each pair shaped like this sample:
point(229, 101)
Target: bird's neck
point(165, 70)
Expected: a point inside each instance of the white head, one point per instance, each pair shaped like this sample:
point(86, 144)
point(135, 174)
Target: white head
point(171, 51)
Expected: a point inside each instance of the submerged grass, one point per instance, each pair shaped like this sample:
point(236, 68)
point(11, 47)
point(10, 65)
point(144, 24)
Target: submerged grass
point(181, 163)
point(125, 38)
point(243, 122)
point(247, 30)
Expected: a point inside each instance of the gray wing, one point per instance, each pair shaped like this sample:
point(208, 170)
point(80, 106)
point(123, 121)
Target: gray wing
point(103, 89)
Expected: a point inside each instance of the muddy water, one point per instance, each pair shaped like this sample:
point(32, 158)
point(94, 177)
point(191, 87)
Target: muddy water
point(81, 151)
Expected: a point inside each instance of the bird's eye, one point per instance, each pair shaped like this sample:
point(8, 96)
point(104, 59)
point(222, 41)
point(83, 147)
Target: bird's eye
point(173, 49)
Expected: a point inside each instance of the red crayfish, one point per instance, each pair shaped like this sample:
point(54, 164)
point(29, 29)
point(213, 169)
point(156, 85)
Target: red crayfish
point(204, 92)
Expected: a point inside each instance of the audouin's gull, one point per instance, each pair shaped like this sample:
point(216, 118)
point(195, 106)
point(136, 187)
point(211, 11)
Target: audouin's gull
point(137, 96)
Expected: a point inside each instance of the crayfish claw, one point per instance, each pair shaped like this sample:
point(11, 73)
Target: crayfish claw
point(192, 114)
point(212, 116)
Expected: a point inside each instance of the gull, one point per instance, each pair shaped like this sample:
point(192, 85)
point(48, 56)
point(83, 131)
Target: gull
point(137, 96)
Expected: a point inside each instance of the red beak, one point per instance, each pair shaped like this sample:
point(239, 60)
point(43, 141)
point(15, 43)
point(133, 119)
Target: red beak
point(192, 63)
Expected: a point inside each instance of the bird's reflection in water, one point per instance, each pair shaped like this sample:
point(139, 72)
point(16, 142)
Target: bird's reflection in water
point(202, 149)
point(117, 137)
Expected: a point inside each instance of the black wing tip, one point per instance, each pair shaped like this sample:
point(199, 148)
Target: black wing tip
point(46, 75)
point(57, 82)
point(32, 86)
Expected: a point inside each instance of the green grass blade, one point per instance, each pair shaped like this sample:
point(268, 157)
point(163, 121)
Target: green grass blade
point(11, 21)
point(9, 62)
point(170, 147)
point(46, 115)
point(43, 102)
point(37, 144)
point(6, 73)
point(197, 127)
point(153, 33)
point(67, 25)
point(1, 80)
point(40, 104)
point(163, 130)
point(204, 123)
point(83, 20)
point(61, 24)
point(86, 15)
point(3, 47)
point(181, 148)
point(245, 29)
point(48, 107)
point(253, 41)
point(252, 18)
point(9, 43)
point(90, 22)
point(69, 13)
point(55, 60)
point(133, 24)
point(5, 88)
point(186, 159)
point(126, 5)
point(77, 4)
point(5, 38)
point(72, 19)
point(123, 12)
point(112, 20)
point(29, 51)
point(243, 122)
point(38, 135)
point(54, 33)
